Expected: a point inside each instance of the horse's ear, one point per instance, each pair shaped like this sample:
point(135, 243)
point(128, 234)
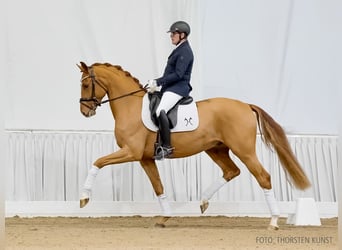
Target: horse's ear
point(83, 67)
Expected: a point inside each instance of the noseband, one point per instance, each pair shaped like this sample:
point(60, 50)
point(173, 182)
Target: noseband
point(93, 98)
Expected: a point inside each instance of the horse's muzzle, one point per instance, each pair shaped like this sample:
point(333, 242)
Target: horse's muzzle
point(90, 113)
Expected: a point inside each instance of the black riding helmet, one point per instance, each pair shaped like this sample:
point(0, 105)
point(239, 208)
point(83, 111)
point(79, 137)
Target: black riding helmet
point(180, 27)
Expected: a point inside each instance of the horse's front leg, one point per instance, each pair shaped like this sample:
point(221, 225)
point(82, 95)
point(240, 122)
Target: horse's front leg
point(152, 172)
point(121, 156)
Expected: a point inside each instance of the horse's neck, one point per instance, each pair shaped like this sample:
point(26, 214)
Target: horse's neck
point(128, 108)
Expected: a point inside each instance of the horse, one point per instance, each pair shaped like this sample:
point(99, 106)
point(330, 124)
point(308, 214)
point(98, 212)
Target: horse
point(224, 125)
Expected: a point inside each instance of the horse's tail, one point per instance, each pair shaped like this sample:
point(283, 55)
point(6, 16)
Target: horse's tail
point(273, 134)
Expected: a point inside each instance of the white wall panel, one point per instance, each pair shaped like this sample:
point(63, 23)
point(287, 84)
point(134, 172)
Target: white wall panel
point(53, 166)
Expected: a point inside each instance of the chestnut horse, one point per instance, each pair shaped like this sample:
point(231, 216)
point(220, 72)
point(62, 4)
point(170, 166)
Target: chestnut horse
point(225, 125)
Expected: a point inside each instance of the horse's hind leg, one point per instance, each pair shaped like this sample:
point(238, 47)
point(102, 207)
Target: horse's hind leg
point(264, 180)
point(221, 157)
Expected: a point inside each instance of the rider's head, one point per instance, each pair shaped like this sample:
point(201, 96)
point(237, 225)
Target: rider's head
point(179, 32)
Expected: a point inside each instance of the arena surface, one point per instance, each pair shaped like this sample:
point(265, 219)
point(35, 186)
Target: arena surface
point(180, 233)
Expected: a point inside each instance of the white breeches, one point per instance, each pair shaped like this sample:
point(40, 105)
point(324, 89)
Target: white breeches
point(168, 100)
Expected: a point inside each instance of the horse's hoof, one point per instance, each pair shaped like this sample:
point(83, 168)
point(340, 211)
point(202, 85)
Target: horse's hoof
point(204, 206)
point(84, 202)
point(272, 228)
point(160, 225)
point(161, 222)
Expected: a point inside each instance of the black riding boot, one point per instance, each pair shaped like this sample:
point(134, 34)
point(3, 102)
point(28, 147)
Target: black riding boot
point(165, 150)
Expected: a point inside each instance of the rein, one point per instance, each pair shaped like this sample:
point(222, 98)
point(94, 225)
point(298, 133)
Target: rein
point(95, 100)
point(125, 95)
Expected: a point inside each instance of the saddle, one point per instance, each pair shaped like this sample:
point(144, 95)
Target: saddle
point(155, 98)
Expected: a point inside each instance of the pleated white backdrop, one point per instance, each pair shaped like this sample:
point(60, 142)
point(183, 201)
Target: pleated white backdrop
point(284, 56)
point(53, 167)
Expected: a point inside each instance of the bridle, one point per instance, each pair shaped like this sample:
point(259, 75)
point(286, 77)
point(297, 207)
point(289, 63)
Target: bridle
point(93, 98)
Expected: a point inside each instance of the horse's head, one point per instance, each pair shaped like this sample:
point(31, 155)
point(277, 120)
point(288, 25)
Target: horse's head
point(92, 91)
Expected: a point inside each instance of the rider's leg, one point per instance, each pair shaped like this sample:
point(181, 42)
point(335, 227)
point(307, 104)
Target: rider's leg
point(164, 128)
point(164, 150)
point(169, 99)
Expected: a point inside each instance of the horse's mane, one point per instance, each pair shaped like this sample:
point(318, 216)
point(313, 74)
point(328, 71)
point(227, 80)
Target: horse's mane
point(118, 67)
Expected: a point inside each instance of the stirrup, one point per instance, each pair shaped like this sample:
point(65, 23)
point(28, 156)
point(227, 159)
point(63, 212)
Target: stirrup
point(163, 152)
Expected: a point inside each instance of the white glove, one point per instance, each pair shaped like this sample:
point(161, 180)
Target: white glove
point(152, 86)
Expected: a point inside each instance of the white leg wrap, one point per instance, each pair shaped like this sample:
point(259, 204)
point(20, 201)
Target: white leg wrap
point(273, 206)
point(88, 184)
point(271, 202)
point(209, 192)
point(274, 221)
point(164, 205)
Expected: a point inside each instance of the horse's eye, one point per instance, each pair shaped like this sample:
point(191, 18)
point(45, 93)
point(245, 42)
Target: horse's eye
point(85, 86)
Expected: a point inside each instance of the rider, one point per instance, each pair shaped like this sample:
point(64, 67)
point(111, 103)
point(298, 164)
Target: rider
point(175, 83)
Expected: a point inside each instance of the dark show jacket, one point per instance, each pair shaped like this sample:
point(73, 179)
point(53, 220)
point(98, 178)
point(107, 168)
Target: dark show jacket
point(177, 73)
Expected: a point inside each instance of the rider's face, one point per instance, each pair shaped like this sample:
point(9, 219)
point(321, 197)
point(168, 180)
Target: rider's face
point(176, 37)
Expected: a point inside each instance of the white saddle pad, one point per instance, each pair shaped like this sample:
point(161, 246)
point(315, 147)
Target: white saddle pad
point(187, 117)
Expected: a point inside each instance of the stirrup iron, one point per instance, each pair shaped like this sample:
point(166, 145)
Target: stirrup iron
point(163, 152)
